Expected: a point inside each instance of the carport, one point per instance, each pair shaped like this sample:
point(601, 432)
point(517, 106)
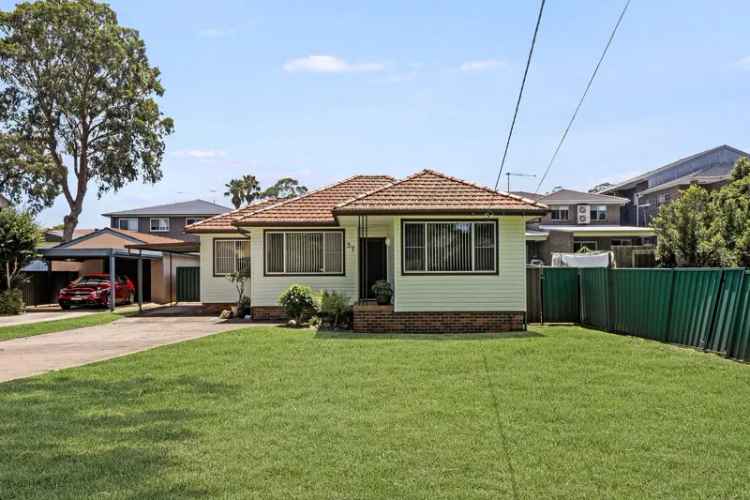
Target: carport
point(180, 247)
point(112, 259)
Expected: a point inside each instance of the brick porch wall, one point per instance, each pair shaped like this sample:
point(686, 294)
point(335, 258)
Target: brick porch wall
point(268, 313)
point(382, 319)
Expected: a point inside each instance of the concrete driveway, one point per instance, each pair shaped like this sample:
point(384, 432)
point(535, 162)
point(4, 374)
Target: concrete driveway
point(38, 317)
point(29, 356)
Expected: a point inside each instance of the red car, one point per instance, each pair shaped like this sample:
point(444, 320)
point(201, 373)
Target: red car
point(94, 289)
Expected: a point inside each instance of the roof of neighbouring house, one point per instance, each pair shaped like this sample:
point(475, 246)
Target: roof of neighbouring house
point(188, 208)
point(527, 194)
point(315, 207)
point(224, 223)
point(106, 241)
point(53, 235)
point(579, 197)
point(709, 175)
point(430, 192)
point(639, 178)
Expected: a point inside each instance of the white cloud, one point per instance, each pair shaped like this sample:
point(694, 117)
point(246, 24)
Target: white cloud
point(329, 64)
point(200, 154)
point(481, 65)
point(744, 63)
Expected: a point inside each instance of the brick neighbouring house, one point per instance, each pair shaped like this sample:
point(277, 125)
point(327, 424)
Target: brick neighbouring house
point(453, 251)
point(577, 219)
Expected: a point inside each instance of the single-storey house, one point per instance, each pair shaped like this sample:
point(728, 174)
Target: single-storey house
point(454, 252)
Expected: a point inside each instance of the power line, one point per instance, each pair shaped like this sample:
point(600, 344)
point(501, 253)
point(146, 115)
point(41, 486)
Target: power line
point(520, 94)
point(580, 103)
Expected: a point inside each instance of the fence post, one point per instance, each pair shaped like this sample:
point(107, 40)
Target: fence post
point(668, 327)
point(708, 337)
point(541, 295)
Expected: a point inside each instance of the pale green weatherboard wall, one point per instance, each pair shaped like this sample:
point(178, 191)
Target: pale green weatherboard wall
point(505, 291)
point(214, 289)
point(266, 289)
point(502, 292)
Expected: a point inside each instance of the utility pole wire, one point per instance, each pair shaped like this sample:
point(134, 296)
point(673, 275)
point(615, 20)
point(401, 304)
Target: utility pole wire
point(580, 103)
point(520, 94)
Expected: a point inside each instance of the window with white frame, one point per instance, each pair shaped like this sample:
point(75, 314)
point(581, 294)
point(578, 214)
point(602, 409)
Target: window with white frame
point(192, 220)
point(159, 224)
point(559, 212)
point(231, 256)
point(449, 247)
point(304, 252)
point(127, 223)
point(599, 212)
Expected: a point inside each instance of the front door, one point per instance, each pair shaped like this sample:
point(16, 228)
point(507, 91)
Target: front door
point(373, 265)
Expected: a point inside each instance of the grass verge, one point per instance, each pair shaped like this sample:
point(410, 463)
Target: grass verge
point(266, 412)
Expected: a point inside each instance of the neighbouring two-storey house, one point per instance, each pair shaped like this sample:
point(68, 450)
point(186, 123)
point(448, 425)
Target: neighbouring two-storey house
point(578, 220)
point(166, 220)
point(649, 191)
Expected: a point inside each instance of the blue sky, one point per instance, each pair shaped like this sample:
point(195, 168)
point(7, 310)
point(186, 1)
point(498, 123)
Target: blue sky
point(320, 92)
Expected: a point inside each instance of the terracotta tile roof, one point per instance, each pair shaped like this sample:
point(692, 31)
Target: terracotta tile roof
point(315, 207)
point(432, 192)
point(224, 223)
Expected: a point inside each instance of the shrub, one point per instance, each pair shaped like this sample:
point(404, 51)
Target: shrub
point(334, 306)
point(298, 302)
point(11, 302)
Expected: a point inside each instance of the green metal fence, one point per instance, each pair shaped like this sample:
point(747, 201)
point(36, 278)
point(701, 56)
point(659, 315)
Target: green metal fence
point(704, 308)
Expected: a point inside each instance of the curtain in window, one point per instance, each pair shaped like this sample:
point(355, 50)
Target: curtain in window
point(449, 247)
point(305, 252)
point(231, 256)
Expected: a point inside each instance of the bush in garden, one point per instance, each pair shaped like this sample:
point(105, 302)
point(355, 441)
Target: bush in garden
point(334, 307)
point(11, 302)
point(298, 302)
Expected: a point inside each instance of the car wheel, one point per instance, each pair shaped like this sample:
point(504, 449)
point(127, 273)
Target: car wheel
point(64, 306)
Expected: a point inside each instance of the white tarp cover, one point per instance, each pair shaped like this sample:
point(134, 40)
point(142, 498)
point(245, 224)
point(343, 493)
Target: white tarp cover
point(591, 259)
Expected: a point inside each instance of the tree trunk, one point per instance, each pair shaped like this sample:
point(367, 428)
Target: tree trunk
point(71, 220)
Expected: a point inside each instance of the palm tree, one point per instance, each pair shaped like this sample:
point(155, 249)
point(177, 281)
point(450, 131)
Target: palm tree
point(245, 189)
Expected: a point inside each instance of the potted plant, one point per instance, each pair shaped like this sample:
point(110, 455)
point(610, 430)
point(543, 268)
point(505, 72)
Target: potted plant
point(383, 292)
point(239, 279)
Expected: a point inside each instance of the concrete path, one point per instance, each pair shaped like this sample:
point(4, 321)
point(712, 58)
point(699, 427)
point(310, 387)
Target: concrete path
point(29, 356)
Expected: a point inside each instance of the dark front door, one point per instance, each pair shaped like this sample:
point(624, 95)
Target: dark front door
point(373, 265)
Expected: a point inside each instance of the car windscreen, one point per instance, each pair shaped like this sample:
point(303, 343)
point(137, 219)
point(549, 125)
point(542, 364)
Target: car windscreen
point(91, 281)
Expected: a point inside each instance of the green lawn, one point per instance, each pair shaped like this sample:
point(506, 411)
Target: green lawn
point(275, 413)
point(59, 325)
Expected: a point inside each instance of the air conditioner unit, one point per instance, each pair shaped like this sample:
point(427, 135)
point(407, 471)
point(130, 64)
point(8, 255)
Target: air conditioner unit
point(584, 214)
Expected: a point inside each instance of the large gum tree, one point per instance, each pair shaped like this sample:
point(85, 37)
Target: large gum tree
point(77, 105)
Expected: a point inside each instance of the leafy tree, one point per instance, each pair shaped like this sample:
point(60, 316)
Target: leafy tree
point(77, 105)
point(601, 187)
point(245, 189)
point(19, 239)
point(731, 205)
point(685, 231)
point(284, 188)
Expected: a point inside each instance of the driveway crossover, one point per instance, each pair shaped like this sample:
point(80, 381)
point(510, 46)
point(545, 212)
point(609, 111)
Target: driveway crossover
point(24, 357)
